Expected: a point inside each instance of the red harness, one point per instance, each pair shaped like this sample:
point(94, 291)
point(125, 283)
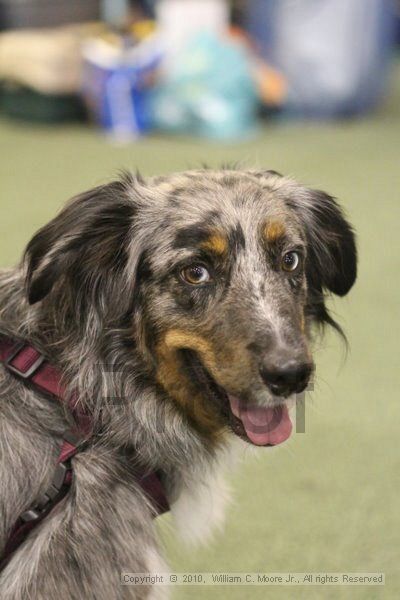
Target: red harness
point(30, 366)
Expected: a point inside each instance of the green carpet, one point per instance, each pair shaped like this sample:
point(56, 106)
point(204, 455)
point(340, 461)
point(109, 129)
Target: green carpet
point(328, 501)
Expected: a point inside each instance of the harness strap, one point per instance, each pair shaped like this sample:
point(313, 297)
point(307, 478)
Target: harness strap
point(29, 365)
point(58, 488)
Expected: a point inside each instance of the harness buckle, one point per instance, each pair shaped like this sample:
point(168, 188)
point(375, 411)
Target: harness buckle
point(33, 514)
point(46, 500)
point(23, 374)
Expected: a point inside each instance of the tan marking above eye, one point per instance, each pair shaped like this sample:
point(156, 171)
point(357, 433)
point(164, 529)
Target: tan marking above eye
point(216, 243)
point(273, 231)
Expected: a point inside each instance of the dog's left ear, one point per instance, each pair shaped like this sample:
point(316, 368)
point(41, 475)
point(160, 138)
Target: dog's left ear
point(84, 250)
point(332, 253)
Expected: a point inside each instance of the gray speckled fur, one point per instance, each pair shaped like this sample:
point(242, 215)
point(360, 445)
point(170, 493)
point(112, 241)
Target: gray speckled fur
point(90, 313)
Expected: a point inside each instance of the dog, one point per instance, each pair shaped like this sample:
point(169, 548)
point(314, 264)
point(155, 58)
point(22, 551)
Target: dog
point(179, 312)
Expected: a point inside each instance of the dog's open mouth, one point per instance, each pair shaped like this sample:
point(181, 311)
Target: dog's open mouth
point(259, 425)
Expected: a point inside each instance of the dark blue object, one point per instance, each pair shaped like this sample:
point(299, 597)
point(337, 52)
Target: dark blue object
point(334, 53)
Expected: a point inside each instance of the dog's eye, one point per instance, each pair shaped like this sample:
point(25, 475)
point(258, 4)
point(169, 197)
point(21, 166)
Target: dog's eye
point(195, 274)
point(291, 261)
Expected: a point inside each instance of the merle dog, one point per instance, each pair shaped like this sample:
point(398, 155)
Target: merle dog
point(178, 313)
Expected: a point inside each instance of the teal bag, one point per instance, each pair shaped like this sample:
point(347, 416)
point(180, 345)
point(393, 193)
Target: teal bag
point(208, 91)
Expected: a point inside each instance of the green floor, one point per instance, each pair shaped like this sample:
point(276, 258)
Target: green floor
point(329, 500)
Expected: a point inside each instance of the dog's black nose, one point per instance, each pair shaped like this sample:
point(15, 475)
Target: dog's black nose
point(291, 377)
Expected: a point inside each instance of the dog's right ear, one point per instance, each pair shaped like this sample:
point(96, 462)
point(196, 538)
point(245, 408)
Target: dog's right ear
point(86, 243)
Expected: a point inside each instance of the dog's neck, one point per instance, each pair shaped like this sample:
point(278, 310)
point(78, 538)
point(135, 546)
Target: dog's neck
point(111, 379)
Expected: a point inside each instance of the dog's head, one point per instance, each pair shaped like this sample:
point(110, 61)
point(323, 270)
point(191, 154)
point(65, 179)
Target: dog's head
point(216, 275)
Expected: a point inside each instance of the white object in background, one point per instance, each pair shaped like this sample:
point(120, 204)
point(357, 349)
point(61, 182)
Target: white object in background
point(180, 20)
point(114, 11)
point(46, 60)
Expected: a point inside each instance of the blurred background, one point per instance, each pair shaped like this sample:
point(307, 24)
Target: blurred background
point(310, 88)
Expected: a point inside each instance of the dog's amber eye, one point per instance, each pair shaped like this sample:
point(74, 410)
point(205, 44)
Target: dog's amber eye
point(291, 261)
point(195, 274)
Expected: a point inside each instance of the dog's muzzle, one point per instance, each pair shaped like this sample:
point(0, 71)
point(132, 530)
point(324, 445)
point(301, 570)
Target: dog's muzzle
point(259, 425)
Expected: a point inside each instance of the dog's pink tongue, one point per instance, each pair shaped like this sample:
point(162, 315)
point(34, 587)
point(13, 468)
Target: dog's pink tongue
point(263, 426)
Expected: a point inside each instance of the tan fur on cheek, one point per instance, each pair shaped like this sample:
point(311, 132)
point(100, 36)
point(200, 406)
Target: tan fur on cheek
point(178, 339)
point(303, 323)
point(177, 382)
